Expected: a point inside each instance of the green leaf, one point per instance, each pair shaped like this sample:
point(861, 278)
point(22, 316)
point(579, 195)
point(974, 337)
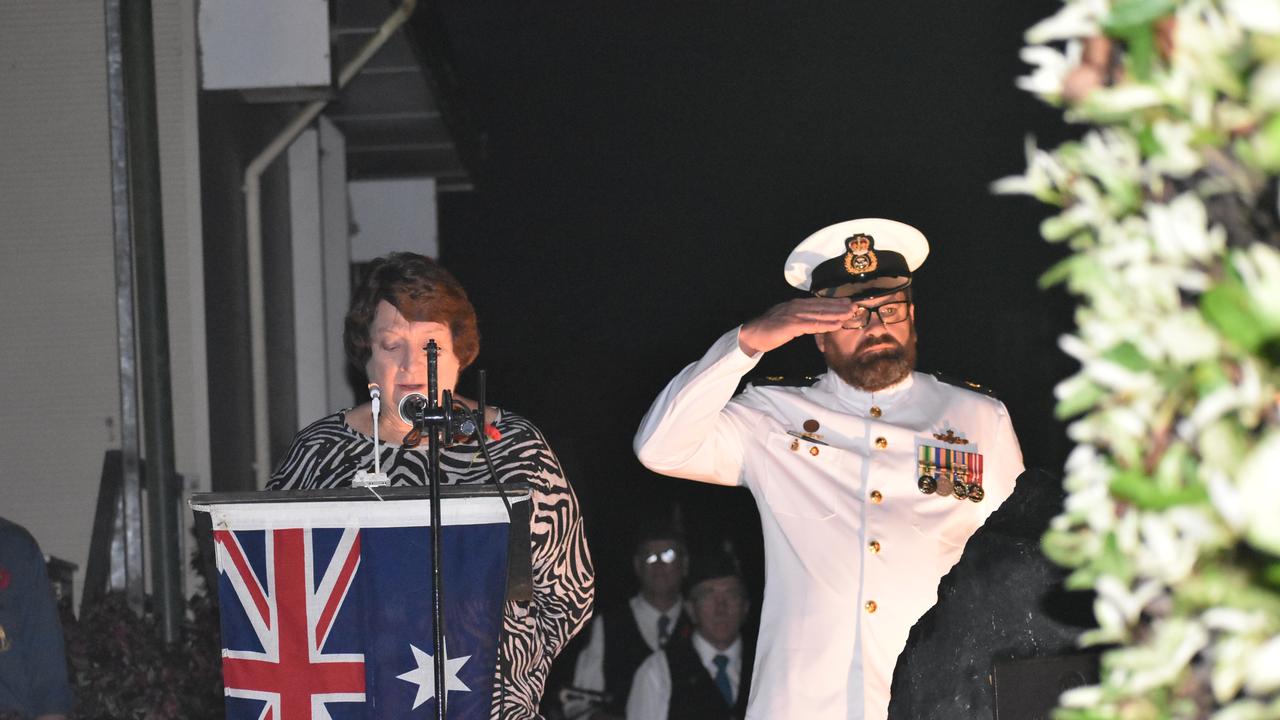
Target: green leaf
point(1271, 575)
point(1135, 487)
point(1064, 548)
point(1059, 271)
point(1133, 21)
point(1128, 356)
point(1266, 144)
point(1208, 376)
point(1079, 401)
point(1059, 227)
point(1226, 306)
point(1147, 142)
point(1127, 14)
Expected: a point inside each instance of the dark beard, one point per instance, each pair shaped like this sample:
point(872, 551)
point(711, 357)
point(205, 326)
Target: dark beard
point(878, 370)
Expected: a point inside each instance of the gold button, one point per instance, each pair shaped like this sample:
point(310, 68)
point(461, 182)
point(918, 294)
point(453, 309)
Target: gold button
point(876, 497)
point(795, 445)
point(874, 545)
point(814, 451)
point(871, 606)
point(882, 443)
point(875, 411)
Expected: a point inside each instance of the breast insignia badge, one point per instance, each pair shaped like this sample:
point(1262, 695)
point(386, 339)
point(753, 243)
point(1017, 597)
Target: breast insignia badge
point(951, 437)
point(810, 434)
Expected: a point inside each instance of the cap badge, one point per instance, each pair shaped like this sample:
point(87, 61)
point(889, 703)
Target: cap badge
point(860, 257)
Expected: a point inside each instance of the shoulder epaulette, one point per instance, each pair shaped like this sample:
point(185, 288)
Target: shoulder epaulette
point(967, 385)
point(782, 381)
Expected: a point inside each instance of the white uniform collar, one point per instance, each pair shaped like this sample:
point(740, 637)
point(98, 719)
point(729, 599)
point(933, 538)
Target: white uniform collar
point(861, 401)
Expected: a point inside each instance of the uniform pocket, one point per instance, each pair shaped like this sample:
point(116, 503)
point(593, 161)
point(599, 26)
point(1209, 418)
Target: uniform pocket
point(800, 477)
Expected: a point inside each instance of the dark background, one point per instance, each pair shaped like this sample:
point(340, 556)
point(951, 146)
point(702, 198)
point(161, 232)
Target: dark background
point(650, 166)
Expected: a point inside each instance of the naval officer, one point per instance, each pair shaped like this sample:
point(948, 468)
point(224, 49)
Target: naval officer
point(868, 481)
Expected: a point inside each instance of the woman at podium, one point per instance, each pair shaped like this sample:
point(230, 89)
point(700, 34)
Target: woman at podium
point(404, 301)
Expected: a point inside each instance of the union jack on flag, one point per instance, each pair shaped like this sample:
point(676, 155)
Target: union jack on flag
point(326, 611)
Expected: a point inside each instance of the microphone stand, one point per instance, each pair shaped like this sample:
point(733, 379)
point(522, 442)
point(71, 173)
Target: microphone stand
point(435, 418)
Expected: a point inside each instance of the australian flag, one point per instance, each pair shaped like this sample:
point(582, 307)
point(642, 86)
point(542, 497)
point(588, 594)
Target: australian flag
point(326, 608)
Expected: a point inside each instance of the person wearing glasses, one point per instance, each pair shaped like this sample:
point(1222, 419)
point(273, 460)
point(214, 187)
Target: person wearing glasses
point(868, 480)
point(703, 675)
point(622, 637)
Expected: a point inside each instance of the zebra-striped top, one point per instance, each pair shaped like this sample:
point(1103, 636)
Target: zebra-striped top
point(328, 452)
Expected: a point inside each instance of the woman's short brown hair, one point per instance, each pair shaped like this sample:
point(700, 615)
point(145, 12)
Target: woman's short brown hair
point(422, 291)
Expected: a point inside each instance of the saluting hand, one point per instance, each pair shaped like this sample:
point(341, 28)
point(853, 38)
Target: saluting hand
point(786, 321)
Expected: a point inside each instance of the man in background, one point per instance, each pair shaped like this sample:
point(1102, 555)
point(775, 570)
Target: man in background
point(623, 636)
point(33, 662)
point(707, 674)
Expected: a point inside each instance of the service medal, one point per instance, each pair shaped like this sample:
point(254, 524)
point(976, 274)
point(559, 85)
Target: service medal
point(951, 472)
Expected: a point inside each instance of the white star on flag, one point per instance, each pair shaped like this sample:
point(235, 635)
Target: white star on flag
point(425, 678)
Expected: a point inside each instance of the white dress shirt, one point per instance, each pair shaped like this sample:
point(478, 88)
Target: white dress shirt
point(651, 688)
point(588, 671)
point(853, 549)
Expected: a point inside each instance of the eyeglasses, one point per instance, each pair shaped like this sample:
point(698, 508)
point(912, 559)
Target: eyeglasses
point(666, 557)
point(889, 313)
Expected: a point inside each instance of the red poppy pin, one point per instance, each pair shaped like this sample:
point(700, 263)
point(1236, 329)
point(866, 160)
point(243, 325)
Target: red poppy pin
point(492, 432)
point(4, 577)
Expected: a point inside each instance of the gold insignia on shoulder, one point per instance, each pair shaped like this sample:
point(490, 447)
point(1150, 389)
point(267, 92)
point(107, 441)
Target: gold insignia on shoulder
point(860, 257)
point(951, 438)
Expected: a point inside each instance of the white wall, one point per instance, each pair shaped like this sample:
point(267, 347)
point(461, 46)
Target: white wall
point(59, 399)
point(256, 44)
point(394, 215)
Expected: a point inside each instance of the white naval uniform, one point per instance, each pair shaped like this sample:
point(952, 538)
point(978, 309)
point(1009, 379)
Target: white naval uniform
point(836, 612)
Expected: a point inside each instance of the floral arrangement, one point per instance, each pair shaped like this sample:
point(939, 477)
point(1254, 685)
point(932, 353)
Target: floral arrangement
point(1168, 202)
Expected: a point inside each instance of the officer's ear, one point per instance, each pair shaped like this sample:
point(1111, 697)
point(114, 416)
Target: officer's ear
point(820, 339)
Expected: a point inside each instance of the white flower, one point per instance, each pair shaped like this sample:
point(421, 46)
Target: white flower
point(1229, 667)
point(1179, 230)
point(1175, 643)
point(1085, 696)
point(1244, 395)
point(1075, 20)
point(1259, 268)
point(1264, 669)
point(1043, 178)
point(1120, 100)
point(1050, 67)
point(1176, 157)
point(1234, 620)
point(1256, 480)
point(1264, 88)
point(1261, 16)
point(1185, 339)
point(1227, 500)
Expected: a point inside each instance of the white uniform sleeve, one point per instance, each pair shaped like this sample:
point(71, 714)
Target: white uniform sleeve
point(588, 669)
point(686, 433)
point(1005, 465)
point(650, 689)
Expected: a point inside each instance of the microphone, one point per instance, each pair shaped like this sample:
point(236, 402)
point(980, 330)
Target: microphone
point(412, 406)
point(415, 404)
